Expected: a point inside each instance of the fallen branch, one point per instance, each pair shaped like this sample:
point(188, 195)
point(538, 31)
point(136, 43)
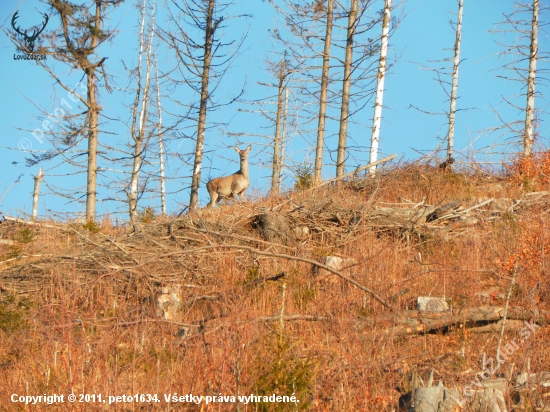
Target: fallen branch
point(31, 223)
point(277, 318)
point(417, 322)
point(500, 326)
point(377, 297)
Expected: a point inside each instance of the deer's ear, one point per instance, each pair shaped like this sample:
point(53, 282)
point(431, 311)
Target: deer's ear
point(236, 149)
point(248, 148)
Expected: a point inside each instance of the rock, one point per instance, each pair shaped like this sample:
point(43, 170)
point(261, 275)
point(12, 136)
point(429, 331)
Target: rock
point(337, 263)
point(499, 383)
point(428, 399)
point(488, 400)
point(449, 403)
point(168, 302)
point(431, 304)
point(301, 232)
point(441, 399)
point(524, 379)
point(273, 228)
point(527, 384)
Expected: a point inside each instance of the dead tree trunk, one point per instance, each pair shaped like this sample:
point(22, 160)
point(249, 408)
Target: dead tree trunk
point(94, 108)
point(207, 59)
point(161, 147)
point(36, 194)
point(91, 184)
point(283, 142)
point(80, 38)
point(277, 139)
point(454, 87)
point(344, 110)
point(377, 119)
point(530, 109)
point(139, 135)
point(323, 97)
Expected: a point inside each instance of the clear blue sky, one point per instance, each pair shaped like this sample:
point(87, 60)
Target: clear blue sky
point(423, 35)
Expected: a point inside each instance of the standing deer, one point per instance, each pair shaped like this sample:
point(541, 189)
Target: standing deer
point(230, 186)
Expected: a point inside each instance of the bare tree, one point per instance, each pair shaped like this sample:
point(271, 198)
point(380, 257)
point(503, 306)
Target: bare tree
point(198, 66)
point(323, 96)
point(530, 109)
point(138, 130)
point(77, 43)
point(283, 141)
point(377, 119)
point(450, 87)
point(454, 86)
point(161, 145)
point(275, 175)
point(520, 45)
point(346, 85)
point(209, 30)
point(308, 36)
point(36, 193)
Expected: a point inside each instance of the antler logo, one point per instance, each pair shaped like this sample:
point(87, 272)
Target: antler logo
point(29, 40)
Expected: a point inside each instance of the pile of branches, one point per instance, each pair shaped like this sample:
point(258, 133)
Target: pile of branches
point(168, 251)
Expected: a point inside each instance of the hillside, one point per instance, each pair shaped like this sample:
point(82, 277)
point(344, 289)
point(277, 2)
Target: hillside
point(238, 300)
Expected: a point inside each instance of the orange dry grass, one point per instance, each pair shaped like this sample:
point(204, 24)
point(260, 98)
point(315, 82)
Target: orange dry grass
point(91, 329)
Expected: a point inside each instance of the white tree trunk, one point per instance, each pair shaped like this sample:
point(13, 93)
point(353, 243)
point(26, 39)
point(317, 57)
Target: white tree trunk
point(161, 147)
point(139, 136)
point(36, 194)
point(530, 109)
point(454, 87)
point(277, 140)
point(283, 141)
point(377, 120)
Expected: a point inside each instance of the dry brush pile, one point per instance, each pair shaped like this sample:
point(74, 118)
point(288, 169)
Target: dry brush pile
point(238, 300)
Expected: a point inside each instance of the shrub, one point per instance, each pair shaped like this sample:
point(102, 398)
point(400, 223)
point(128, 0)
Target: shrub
point(531, 172)
point(146, 215)
point(304, 176)
point(284, 374)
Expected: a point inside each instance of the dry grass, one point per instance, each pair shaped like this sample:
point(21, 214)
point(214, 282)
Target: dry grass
point(76, 313)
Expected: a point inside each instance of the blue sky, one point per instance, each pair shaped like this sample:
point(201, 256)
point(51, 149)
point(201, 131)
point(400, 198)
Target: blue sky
point(422, 36)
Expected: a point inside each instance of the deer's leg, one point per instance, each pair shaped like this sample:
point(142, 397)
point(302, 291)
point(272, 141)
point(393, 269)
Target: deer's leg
point(213, 199)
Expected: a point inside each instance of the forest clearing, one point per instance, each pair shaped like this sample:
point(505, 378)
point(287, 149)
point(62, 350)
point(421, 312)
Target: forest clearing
point(323, 274)
point(242, 299)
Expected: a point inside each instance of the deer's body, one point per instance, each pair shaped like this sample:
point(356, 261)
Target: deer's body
point(229, 187)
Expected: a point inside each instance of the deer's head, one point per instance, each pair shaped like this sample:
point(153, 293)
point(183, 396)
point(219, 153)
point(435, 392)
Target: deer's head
point(243, 154)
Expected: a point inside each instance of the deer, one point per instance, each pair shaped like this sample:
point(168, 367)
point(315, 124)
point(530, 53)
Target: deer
point(229, 187)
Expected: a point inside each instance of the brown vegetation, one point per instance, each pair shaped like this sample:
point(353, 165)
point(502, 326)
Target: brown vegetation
point(261, 314)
